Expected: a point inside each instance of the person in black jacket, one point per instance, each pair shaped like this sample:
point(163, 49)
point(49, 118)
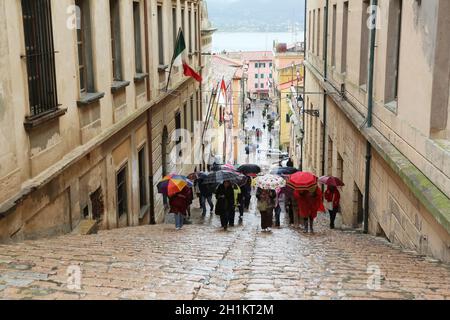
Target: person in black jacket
point(225, 204)
point(205, 196)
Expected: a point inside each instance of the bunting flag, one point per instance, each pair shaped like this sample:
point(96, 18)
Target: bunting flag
point(179, 58)
point(223, 87)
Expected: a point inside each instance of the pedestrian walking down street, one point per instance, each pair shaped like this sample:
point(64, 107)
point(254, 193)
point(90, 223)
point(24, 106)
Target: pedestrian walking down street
point(290, 163)
point(239, 201)
point(333, 198)
point(291, 208)
point(205, 196)
point(309, 204)
point(266, 205)
point(225, 204)
point(179, 207)
point(190, 200)
point(247, 193)
point(280, 197)
point(198, 193)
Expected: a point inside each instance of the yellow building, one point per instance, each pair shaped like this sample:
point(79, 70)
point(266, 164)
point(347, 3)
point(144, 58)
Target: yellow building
point(288, 77)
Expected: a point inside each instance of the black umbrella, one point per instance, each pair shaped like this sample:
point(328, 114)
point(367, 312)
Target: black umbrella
point(219, 177)
point(284, 171)
point(250, 169)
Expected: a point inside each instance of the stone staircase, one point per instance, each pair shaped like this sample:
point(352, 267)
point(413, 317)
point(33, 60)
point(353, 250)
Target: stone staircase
point(86, 227)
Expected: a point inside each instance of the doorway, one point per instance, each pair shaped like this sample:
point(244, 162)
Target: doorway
point(164, 143)
point(358, 212)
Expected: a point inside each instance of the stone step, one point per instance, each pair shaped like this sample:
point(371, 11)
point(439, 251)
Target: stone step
point(86, 227)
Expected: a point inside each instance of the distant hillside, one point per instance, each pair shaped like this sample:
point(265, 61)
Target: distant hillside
point(256, 15)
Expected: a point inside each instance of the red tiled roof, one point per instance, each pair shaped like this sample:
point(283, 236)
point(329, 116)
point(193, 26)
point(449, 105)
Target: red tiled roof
point(253, 55)
point(287, 85)
point(285, 63)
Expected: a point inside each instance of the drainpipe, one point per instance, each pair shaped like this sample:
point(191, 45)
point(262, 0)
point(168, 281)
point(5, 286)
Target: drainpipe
point(149, 118)
point(304, 87)
point(325, 72)
point(373, 34)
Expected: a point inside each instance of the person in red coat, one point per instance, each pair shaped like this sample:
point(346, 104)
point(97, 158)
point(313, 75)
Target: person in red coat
point(309, 204)
point(333, 198)
point(179, 204)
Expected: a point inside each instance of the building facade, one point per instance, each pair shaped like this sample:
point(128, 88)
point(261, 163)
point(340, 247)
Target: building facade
point(260, 68)
point(288, 81)
point(86, 125)
point(394, 158)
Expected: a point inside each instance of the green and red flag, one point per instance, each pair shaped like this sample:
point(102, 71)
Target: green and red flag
point(179, 58)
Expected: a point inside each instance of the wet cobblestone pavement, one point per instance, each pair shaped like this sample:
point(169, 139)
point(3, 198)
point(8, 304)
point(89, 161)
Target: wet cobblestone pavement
point(204, 262)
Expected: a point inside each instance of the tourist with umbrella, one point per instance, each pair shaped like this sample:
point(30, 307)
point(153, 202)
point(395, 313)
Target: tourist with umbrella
point(266, 195)
point(225, 180)
point(225, 204)
point(250, 170)
point(178, 189)
point(205, 194)
point(332, 196)
point(308, 197)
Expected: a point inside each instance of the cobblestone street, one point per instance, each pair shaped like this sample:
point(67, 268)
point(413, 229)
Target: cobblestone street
point(204, 262)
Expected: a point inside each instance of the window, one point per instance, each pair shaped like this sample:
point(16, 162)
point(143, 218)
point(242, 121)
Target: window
point(98, 206)
point(288, 118)
point(314, 32)
point(262, 85)
point(115, 39)
point(364, 55)
point(256, 76)
point(192, 114)
point(86, 74)
point(344, 39)
point(122, 194)
point(318, 31)
point(190, 30)
point(185, 114)
point(262, 75)
point(142, 179)
point(174, 26)
point(160, 37)
point(178, 128)
point(334, 31)
point(393, 50)
point(137, 36)
point(309, 31)
point(196, 30)
point(256, 65)
point(256, 86)
point(40, 56)
point(270, 65)
point(270, 76)
point(183, 19)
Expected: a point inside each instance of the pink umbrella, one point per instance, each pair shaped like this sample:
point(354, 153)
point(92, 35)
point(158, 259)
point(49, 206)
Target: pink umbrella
point(331, 181)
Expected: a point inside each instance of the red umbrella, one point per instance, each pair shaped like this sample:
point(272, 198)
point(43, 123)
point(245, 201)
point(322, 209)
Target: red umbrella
point(303, 181)
point(331, 181)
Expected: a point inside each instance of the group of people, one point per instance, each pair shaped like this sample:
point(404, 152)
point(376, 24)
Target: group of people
point(231, 198)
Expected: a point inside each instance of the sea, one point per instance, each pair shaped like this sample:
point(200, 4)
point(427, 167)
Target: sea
point(251, 41)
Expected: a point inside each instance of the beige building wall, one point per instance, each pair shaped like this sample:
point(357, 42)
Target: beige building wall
point(64, 167)
point(410, 182)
